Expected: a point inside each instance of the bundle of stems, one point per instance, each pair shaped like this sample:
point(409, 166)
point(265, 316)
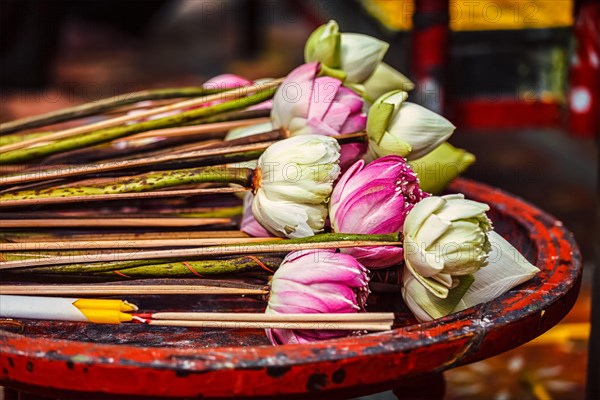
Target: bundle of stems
point(138, 159)
point(103, 105)
point(323, 241)
point(115, 128)
point(146, 269)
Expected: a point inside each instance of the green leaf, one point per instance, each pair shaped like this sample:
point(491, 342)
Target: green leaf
point(332, 72)
point(434, 307)
point(440, 167)
point(378, 120)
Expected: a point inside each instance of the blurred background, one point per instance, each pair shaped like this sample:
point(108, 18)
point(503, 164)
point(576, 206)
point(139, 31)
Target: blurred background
point(519, 78)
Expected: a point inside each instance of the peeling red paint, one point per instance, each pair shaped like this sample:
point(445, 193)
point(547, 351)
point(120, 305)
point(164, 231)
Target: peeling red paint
point(47, 364)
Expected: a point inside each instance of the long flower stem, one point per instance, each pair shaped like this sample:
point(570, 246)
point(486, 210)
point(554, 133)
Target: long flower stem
point(100, 106)
point(112, 150)
point(141, 183)
point(17, 137)
point(221, 154)
point(325, 241)
point(166, 212)
point(108, 134)
point(87, 268)
point(179, 269)
point(27, 237)
point(162, 268)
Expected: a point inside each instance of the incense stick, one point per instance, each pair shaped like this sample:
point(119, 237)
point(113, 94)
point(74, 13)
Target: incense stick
point(119, 196)
point(112, 222)
point(28, 237)
point(227, 95)
point(352, 326)
point(115, 290)
point(126, 244)
point(272, 317)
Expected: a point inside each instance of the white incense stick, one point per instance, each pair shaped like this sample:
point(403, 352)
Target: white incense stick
point(116, 290)
point(272, 317)
point(352, 326)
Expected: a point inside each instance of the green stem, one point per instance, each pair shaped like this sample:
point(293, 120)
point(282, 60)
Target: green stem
point(18, 137)
point(99, 106)
point(221, 212)
point(85, 269)
point(108, 134)
point(108, 150)
point(202, 267)
point(142, 183)
point(322, 241)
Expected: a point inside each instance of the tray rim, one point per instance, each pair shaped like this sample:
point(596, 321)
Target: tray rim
point(407, 350)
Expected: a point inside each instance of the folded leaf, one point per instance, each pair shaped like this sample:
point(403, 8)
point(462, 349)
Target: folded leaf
point(506, 269)
point(425, 305)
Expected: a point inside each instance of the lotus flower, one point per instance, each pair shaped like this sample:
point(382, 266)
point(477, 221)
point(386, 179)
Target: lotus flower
point(405, 129)
point(350, 56)
point(375, 199)
point(506, 268)
point(307, 104)
point(315, 282)
point(446, 237)
point(293, 183)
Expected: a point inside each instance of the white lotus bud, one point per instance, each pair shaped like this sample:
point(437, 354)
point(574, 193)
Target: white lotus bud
point(293, 183)
point(405, 129)
point(445, 238)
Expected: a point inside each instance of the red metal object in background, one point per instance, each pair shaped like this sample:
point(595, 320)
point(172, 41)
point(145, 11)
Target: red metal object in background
point(78, 360)
point(505, 114)
point(584, 91)
point(430, 51)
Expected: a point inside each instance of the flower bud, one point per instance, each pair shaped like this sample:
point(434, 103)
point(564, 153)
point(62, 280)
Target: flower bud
point(506, 268)
point(405, 129)
point(307, 105)
point(293, 183)
point(360, 56)
point(324, 45)
point(316, 282)
point(440, 167)
point(375, 199)
point(385, 79)
point(444, 238)
point(351, 57)
point(226, 81)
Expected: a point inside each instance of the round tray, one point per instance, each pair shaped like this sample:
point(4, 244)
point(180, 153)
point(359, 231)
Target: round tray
point(77, 360)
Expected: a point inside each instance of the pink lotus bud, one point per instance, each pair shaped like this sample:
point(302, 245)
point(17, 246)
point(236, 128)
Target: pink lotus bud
point(375, 199)
point(315, 282)
point(226, 81)
point(249, 224)
point(306, 104)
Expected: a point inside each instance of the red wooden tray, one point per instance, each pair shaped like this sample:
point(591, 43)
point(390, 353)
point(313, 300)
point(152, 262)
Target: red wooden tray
point(76, 360)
